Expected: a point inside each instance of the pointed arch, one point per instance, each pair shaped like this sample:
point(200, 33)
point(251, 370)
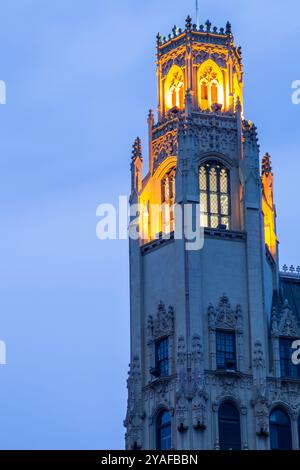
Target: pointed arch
point(174, 88)
point(210, 85)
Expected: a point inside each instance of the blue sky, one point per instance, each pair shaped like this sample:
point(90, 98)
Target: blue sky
point(80, 79)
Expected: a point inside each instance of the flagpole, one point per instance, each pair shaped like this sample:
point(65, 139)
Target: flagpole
point(197, 13)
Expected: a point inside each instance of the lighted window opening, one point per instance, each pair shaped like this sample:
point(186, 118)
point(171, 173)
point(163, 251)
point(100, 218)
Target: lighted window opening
point(214, 185)
point(168, 201)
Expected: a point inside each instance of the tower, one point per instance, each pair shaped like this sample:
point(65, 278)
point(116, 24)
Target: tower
point(207, 325)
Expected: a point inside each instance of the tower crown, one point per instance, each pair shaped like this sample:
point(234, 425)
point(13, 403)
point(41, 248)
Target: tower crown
point(204, 60)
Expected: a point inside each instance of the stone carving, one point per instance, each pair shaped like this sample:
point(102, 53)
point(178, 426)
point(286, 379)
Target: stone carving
point(284, 324)
point(199, 413)
point(134, 417)
point(224, 316)
point(163, 323)
point(165, 146)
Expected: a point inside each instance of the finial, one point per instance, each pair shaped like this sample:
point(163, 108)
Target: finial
point(285, 268)
point(228, 28)
point(174, 31)
point(208, 26)
point(158, 39)
point(137, 149)
point(266, 167)
point(222, 30)
point(188, 23)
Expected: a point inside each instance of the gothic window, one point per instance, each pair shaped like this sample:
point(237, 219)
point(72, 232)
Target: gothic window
point(226, 350)
point(162, 357)
point(229, 427)
point(174, 87)
point(280, 430)
point(211, 84)
point(214, 196)
point(163, 431)
point(168, 201)
point(299, 431)
point(287, 368)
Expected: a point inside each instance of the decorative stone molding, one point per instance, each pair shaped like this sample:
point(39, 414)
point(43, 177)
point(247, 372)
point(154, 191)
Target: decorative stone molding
point(284, 324)
point(134, 417)
point(224, 317)
point(163, 323)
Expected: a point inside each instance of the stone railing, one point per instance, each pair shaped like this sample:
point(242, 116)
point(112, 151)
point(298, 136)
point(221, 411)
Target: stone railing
point(291, 271)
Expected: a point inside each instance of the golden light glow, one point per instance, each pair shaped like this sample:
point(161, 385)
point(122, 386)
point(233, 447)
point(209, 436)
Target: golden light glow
point(174, 88)
point(269, 214)
point(156, 202)
point(211, 85)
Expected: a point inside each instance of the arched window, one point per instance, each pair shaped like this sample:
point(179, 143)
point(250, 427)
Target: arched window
point(174, 88)
point(299, 431)
point(163, 431)
point(229, 427)
point(280, 430)
point(210, 85)
point(168, 201)
point(214, 196)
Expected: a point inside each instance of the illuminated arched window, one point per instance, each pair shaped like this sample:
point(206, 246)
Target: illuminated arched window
point(211, 85)
point(163, 431)
point(174, 88)
point(168, 201)
point(229, 427)
point(214, 188)
point(280, 430)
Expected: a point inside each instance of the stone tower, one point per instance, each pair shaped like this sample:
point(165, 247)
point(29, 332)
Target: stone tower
point(211, 328)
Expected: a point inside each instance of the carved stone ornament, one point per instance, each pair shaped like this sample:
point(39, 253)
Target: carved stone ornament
point(163, 323)
point(224, 316)
point(284, 324)
point(134, 417)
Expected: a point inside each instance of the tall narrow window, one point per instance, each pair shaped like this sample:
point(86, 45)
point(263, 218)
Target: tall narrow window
point(229, 427)
point(280, 430)
point(163, 431)
point(226, 350)
point(214, 93)
point(162, 357)
point(214, 196)
point(168, 201)
point(204, 95)
point(287, 368)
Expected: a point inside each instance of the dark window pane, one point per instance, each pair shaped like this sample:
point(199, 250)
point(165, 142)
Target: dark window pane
point(280, 431)
point(287, 368)
point(163, 431)
point(162, 356)
point(226, 350)
point(229, 427)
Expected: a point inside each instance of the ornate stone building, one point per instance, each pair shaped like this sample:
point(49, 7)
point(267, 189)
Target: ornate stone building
point(211, 329)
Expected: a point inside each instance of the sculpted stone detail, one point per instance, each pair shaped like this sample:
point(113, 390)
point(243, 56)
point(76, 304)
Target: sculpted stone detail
point(190, 386)
point(165, 146)
point(224, 316)
point(284, 324)
point(163, 323)
point(134, 418)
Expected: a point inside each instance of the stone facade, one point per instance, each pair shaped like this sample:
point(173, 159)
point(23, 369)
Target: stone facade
point(231, 285)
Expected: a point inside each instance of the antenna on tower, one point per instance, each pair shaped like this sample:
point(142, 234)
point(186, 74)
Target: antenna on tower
point(197, 12)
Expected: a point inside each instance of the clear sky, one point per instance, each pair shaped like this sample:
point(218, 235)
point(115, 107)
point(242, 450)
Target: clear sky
point(80, 79)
